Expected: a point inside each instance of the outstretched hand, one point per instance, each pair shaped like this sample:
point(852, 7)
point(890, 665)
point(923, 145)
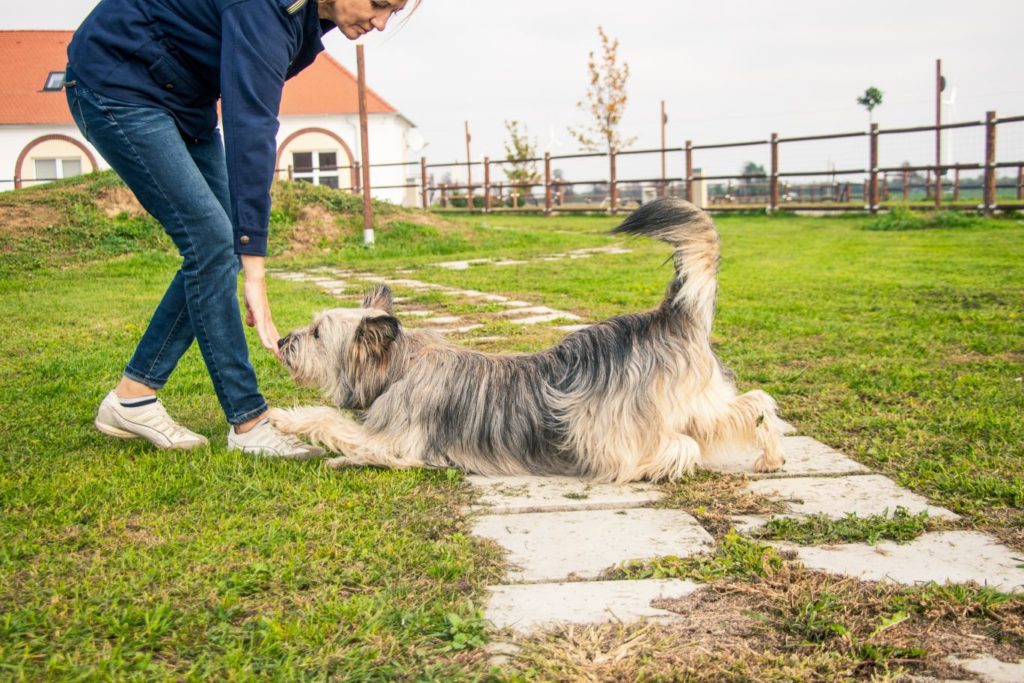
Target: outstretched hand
point(257, 305)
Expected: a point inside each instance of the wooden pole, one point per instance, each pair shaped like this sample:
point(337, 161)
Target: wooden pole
point(365, 141)
point(873, 182)
point(938, 133)
point(990, 162)
point(547, 183)
point(664, 120)
point(423, 182)
point(487, 184)
point(773, 199)
point(469, 172)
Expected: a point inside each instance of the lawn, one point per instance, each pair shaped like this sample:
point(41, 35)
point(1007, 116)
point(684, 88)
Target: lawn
point(903, 348)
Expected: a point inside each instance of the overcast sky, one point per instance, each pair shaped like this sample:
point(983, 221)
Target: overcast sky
point(728, 71)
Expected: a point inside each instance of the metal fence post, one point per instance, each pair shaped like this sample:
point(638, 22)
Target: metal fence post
point(956, 184)
point(990, 162)
point(423, 182)
point(873, 182)
point(773, 200)
point(487, 184)
point(1020, 182)
point(613, 188)
point(291, 172)
point(547, 183)
point(689, 170)
point(359, 184)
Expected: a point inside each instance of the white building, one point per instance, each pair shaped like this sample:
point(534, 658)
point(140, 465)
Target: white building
point(318, 140)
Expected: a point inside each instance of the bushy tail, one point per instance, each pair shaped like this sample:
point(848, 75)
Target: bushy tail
point(695, 239)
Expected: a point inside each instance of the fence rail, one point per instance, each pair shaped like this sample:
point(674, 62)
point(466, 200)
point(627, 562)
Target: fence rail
point(775, 190)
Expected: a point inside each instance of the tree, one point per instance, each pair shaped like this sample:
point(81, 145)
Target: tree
point(605, 100)
point(871, 98)
point(520, 153)
point(751, 172)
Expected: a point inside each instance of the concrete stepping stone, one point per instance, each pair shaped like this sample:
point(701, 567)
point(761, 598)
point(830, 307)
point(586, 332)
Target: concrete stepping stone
point(865, 495)
point(804, 457)
point(440, 320)
point(504, 495)
point(527, 607)
point(990, 669)
point(547, 547)
point(954, 556)
point(515, 304)
point(462, 265)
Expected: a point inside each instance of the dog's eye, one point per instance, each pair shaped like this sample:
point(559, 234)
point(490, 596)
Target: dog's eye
point(316, 333)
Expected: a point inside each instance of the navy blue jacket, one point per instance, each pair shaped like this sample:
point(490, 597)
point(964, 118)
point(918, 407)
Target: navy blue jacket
point(182, 55)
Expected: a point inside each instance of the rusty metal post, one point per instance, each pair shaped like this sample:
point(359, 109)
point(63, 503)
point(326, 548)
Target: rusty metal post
point(487, 184)
point(444, 195)
point(990, 162)
point(938, 132)
point(365, 139)
point(773, 200)
point(357, 167)
point(873, 182)
point(547, 183)
point(689, 170)
point(613, 188)
point(423, 183)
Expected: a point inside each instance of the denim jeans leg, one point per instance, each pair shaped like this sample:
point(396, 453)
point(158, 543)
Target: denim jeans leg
point(183, 187)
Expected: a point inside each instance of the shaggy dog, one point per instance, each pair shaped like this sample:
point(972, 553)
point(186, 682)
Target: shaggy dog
point(639, 396)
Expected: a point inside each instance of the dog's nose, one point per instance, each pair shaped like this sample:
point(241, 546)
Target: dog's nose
point(283, 340)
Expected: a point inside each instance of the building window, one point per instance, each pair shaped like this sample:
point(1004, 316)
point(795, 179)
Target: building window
point(55, 169)
point(318, 168)
point(55, 81)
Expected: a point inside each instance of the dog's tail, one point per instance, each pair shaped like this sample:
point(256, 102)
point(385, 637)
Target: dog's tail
point(691, 232)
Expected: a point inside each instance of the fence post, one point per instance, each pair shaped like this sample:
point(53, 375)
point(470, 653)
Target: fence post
point(956, 184)
point(1020, 182)
point(689, 170)
point(873, 182)
point(487, 184)
point(990, 162)
point(444, 195)
point(773, 200)
point(613, 188)
point(547, 183)
point(423, 182)
point(359, 177)
point(291, 172)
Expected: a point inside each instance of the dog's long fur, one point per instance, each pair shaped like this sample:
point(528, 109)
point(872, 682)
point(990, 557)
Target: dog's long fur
point(639, 396)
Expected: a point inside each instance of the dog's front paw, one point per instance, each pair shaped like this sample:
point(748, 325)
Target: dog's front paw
point(766, 464)
point(339, 463)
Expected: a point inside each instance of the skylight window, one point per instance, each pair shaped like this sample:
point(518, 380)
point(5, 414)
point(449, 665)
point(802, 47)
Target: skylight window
point(55, 81)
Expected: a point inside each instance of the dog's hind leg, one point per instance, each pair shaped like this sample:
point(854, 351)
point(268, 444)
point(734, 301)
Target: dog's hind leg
point(677, 459)
point(338, 433)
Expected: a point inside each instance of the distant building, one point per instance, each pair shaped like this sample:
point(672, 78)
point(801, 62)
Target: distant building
point(318, 141)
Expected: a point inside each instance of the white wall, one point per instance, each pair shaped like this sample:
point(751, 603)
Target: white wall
point(387, 145)
point(14, 139)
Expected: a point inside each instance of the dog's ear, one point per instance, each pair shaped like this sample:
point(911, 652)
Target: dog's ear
point(374, 336)
point(369, 359)
point(379, 297)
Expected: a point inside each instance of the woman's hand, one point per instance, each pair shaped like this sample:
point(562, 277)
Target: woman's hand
point(257, 306)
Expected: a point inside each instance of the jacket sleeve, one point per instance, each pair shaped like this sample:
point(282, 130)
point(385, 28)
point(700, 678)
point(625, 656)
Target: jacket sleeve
point(256, 45)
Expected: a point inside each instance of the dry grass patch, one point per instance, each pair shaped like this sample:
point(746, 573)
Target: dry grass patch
point(715, 499)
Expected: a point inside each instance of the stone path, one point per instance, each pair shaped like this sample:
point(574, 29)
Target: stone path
point(561, 534)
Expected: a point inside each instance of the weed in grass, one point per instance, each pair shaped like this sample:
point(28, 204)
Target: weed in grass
point(901, 526)
point(903, 218)
point(734, 557)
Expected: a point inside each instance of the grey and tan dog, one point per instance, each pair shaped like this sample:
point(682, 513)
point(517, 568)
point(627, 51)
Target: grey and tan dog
point(639, 396)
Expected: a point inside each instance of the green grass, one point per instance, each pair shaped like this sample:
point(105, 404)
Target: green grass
point(902, 348)
point(901, 526)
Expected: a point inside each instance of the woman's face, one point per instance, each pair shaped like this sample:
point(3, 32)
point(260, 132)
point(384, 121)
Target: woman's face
point(355, 18)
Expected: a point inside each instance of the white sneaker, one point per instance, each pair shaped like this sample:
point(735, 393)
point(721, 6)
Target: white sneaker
point(265, 439)
point(150, 421)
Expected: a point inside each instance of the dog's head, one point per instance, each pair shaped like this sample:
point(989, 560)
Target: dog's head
point(348, 353)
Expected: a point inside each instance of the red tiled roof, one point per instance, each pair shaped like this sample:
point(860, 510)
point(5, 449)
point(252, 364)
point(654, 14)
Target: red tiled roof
point(27, 57)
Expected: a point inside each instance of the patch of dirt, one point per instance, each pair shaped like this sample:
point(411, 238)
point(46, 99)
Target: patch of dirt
point(314, 226)
point(26, 220)
point(113, 201)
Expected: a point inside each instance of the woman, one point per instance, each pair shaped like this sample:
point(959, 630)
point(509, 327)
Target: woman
point(143, 81)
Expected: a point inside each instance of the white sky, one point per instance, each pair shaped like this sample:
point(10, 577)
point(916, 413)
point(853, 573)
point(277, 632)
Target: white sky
point(728, 72)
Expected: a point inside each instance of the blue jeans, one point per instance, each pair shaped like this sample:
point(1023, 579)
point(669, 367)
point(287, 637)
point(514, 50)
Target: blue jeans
point(184, 185)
